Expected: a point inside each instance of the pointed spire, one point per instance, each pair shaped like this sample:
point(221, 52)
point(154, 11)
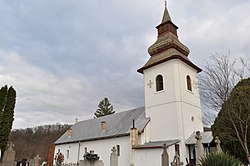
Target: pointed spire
point(167, 45)
point(166, 25)
point(166, 16)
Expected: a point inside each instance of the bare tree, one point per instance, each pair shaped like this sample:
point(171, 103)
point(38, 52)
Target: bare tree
point(32, 141)
point(217, 80)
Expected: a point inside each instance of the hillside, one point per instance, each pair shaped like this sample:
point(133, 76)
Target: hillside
point(32, 141)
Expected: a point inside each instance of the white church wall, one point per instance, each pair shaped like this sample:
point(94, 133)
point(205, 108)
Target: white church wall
point(145, 136)
point(167, 95)
point(70, 152)
point(187, 96)
point(184, 153)
point(193, 120)
point(175, 110)
point(147, 157)
point(190, 109)
point(100, 147)
point(163, 122)
point(151, 156)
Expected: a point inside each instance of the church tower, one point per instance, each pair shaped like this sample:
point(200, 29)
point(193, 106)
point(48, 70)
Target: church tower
point(172, 99)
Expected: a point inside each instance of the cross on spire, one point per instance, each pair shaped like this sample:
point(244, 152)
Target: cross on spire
point(165, 3)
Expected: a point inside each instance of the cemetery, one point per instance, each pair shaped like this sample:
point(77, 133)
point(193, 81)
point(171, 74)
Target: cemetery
point(167, 131)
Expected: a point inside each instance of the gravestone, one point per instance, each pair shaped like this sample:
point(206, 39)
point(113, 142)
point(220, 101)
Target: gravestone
point(9, 156)
point(218, 147)
point(199, 149)
point(177, 161)
point(164, 156)
point(36, 161)
point(114, 157)
point(90, 159)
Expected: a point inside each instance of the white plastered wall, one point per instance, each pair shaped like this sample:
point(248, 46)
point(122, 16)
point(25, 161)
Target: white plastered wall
point(175, 110)
point(101, 147)
point(151, 156)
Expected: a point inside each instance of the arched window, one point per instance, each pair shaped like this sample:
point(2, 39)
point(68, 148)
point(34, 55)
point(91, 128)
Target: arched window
point(159, 83)
point(189, 83)
point(118, 150)
point(67, 154)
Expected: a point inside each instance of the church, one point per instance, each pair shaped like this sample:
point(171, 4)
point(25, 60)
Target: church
point(169, 119)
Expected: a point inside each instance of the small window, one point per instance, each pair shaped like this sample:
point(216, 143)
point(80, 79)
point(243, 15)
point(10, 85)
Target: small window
point(159, 83)
point(189, 83)
point(67, 154)
point(118, 150)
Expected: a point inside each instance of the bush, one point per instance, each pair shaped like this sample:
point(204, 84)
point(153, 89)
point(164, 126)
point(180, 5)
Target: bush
point(219, 159)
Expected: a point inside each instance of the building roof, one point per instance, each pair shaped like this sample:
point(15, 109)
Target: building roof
point(166, 16)
point(156, 144)
point(207, 138)
point(167, 46)
point(118, 124)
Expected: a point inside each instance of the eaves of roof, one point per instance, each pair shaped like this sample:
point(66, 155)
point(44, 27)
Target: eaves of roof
point(168, 59)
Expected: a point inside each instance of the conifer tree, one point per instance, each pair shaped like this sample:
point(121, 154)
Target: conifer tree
point(104, 108)
point(7, 105)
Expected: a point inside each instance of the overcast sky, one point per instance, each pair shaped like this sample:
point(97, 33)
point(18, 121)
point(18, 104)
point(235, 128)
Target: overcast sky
point(64, 56)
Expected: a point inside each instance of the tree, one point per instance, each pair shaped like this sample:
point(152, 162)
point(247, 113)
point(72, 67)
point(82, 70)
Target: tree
point(32, 141)
point(217, 80)
point(233, 122)
point(7, 105)
point(104, 108)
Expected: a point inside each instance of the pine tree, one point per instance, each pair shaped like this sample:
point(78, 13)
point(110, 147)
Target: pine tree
point(7, 105)
point(104, 108)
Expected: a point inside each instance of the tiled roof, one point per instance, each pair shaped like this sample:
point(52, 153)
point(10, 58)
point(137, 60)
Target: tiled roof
point(118, 124)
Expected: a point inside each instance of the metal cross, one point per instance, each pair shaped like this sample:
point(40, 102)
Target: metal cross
point(76, 119)
point(150, 83)
point(165, 3)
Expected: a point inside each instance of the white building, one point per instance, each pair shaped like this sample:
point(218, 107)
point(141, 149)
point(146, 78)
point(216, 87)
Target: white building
point(171, 115)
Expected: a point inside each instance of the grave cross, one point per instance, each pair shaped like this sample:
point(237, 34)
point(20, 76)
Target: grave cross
point(150, 83)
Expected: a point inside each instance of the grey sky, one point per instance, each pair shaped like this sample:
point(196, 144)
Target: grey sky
point(64, 56)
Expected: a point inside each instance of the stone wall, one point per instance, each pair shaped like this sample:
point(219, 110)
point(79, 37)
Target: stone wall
point(90, 163)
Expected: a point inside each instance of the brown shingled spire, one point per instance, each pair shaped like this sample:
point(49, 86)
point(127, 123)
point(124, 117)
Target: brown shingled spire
point(167, 45)
point(166, 16)
point(166, 25)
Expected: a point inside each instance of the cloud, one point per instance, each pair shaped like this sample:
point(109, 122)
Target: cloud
point(64, 56)
point(40, 92)
point(43, 97)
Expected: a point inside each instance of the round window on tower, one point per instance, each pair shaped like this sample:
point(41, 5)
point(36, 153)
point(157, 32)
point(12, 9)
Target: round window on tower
point(192, 118)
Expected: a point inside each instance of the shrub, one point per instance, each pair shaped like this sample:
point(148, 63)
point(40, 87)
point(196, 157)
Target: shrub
point(219, 159)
